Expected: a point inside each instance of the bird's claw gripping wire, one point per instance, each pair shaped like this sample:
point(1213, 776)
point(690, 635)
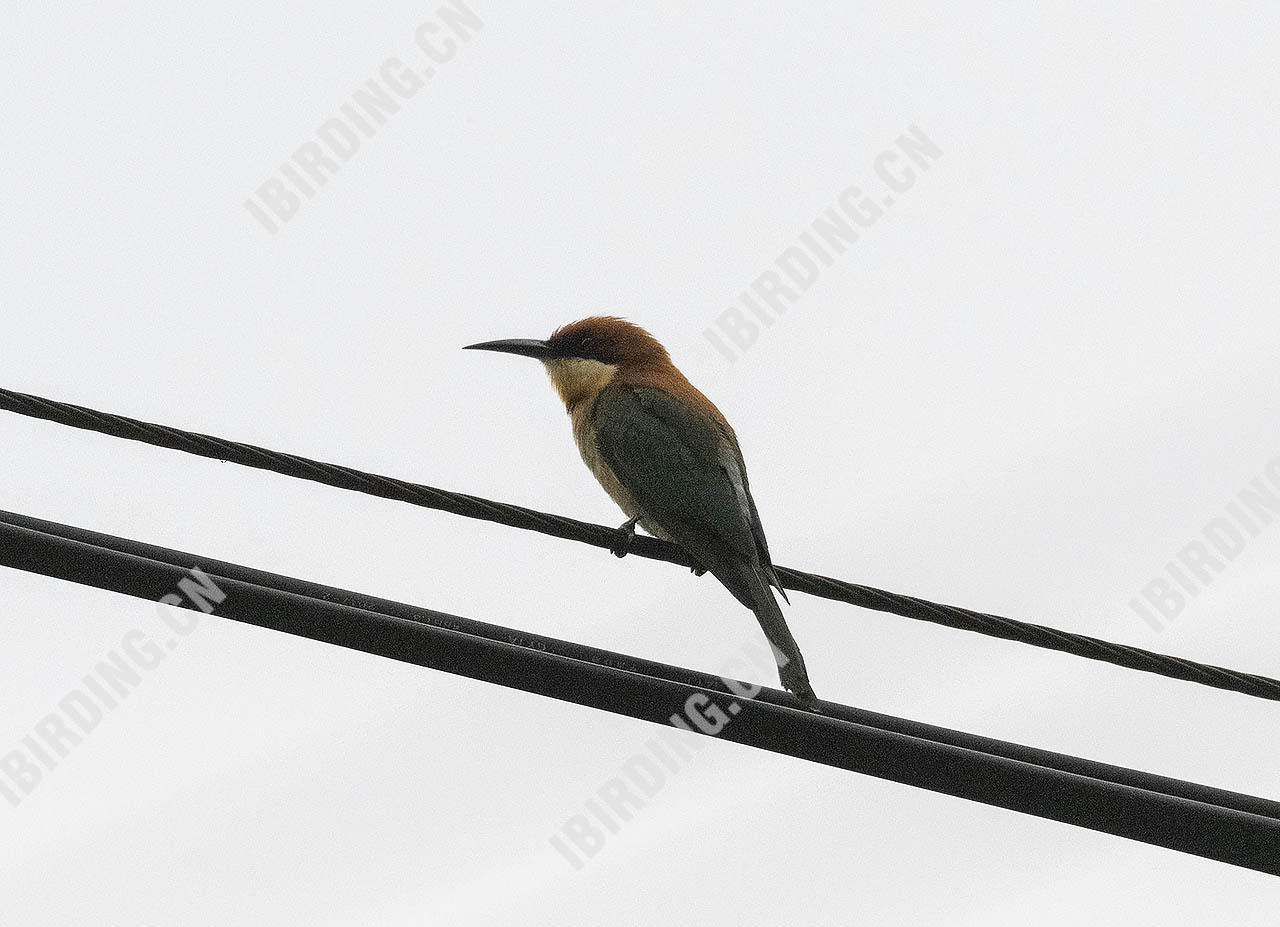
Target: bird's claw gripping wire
point(626, 534)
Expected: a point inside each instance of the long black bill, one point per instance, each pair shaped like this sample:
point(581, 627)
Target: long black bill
point(525, 347)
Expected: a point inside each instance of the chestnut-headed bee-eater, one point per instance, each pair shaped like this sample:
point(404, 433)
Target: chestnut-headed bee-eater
point(669, 459)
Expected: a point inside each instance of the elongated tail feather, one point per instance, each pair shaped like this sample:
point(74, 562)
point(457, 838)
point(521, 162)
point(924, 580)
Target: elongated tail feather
point(753, 590)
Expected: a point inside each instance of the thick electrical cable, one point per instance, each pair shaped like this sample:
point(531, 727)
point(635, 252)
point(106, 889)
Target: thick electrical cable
point(1237, 829)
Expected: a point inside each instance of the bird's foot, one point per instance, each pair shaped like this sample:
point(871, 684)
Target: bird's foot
point(626, 534)
point(698, 571)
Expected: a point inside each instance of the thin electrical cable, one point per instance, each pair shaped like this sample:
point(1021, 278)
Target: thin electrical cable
point(1080, 645)
point(1200, 828)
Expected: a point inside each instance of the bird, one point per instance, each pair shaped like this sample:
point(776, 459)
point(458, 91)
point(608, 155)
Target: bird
point(669, 459)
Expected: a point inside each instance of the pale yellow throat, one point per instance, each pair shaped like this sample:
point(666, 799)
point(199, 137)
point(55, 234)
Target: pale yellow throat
point(577, 379)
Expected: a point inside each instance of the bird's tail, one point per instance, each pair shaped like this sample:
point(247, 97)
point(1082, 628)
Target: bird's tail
point(755, 593)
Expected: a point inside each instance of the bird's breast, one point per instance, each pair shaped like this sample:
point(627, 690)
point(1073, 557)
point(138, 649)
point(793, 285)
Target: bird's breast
point(584, 434)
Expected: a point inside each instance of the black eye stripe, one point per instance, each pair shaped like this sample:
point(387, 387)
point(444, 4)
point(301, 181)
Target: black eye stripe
point(584, 346)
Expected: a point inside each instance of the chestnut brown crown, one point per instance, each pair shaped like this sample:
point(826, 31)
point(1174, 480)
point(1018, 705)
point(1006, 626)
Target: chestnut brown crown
point(609, 340)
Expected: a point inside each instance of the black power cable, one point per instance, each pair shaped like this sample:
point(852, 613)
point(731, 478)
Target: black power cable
point(515, 516)
point(1118, 774)
point(1180, 816)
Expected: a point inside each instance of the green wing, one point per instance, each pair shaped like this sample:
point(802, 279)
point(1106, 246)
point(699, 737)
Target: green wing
point(685, 471)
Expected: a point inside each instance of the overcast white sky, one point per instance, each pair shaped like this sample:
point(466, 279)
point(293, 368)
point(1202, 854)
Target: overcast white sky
point(1029, 385)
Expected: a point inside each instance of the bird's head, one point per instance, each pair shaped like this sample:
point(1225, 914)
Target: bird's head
point(583, 357)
